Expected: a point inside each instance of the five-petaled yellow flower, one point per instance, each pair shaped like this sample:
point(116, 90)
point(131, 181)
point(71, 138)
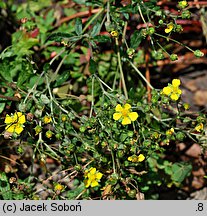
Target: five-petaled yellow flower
point(169, 28)
point(58, 187)
point(173, 90)
point(125, 113)
point(47, 119)
point(135, 158)
point(92, 177)
point(15, 123)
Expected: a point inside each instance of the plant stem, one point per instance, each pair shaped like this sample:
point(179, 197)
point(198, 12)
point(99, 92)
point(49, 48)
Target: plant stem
point(92, 102)
point(121, 70)
point(139, 72)
point(167, 38)
point(94, 18)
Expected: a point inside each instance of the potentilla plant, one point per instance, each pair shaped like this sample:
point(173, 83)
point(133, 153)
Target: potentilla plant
point(108, 133)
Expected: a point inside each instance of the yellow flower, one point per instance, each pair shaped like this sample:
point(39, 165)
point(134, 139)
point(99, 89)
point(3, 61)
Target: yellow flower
point(92, 177)
point(114, 33)
point(125, 113)
point(199, 127)
point(63, 117)
point(170, 131)
point(183, 4)
point(173, 90)
point(47, 119)
point(58, 187)
point(135, 158)
point(169, 28)
point(49, 134)
point(15, 123)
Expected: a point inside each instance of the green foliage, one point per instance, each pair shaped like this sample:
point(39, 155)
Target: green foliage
point(71, 80)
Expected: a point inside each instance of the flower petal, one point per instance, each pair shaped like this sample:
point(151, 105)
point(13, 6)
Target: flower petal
point(167, 90)
point(117, 116)
point(179, 91)
point(18, 129)
point(176, 82)
point(169, 28)
point(133, 116)
point(118, 108)
point(141, 157)
point(10, 128)
point(8, 119)
point(127, 106)
point(92, 170)
point(94, 183)
point(22, 119)
point(87, 182)
point(174, 96)
point(99, 175)
point(126, 121)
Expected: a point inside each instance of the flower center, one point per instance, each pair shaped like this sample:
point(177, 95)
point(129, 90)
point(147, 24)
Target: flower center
point(125, 112)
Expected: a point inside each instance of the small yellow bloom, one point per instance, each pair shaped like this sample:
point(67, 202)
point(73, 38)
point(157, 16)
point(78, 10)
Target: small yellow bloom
point(15, 123)
point(125, 113)
point(135, 158)
point(58, 187)
point(114, 33)
point(170, 131)
point(49, 134)
point(199, 127)
point(183, 4)
point(169, 28)
point(47, 119)
point(92, 177)
point(63, 117)
point(173, 90)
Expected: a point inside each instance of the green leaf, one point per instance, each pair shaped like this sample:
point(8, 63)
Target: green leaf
point(80, 1)
point(96, 29)
point(62, 78)
point(78, 26)
point(102, 38)
point(93, 66)
point(5, 190)
point(58, 36)
point(45, 99)
point(2, 105)
point(136, 39)
point(180, 171)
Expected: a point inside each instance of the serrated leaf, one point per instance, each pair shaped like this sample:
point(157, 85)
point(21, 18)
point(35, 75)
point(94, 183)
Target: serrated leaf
point(78, 26)
point(136, 39)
